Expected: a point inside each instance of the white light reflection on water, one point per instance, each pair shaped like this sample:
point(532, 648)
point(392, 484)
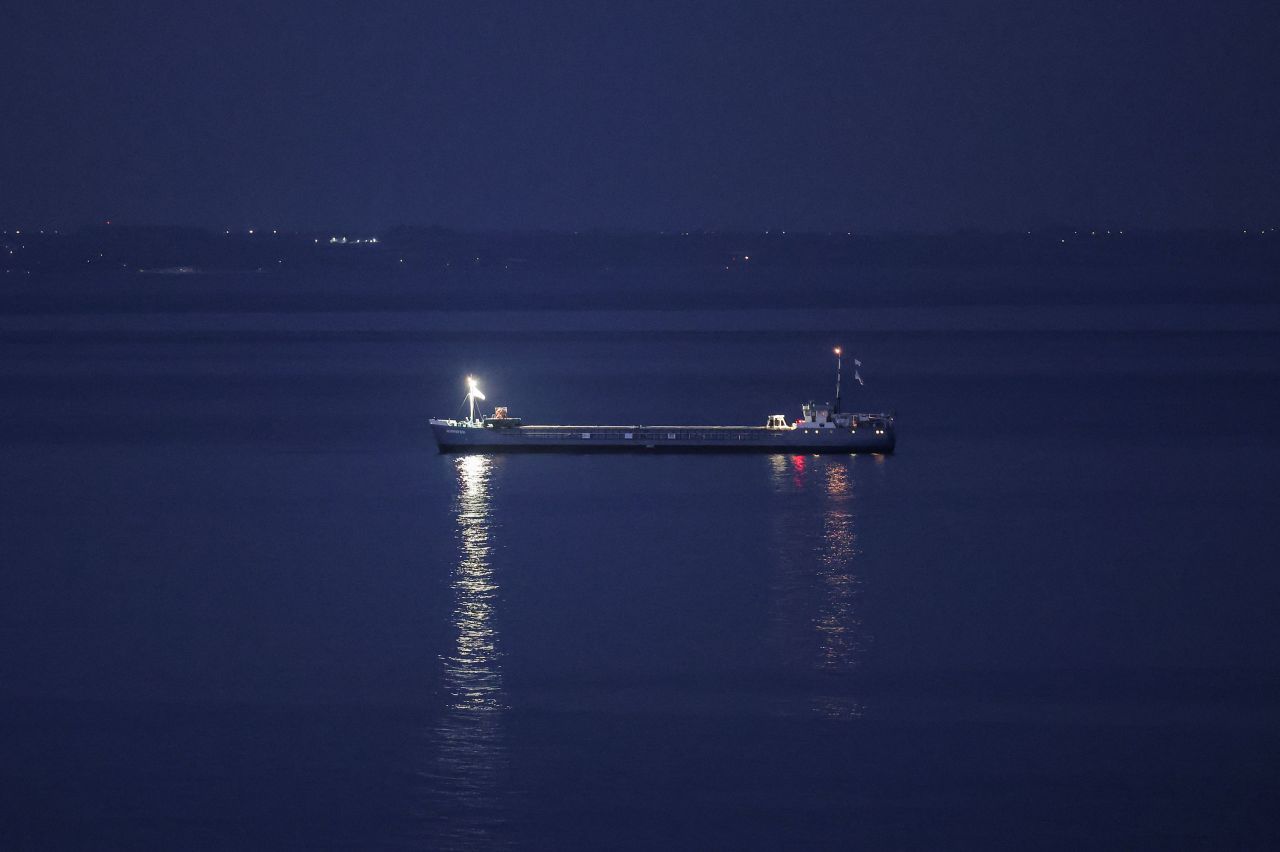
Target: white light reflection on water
point(817, 590)
point(838, 622)
point(473, 676)
point(472, 766)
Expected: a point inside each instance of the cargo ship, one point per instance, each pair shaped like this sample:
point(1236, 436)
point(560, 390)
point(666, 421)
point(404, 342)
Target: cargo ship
point(822, 428)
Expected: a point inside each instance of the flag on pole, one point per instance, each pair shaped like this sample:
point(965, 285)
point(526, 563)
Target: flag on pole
point(856, 376)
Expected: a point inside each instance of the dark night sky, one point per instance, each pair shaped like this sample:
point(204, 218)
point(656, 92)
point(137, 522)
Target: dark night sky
point(933, 114)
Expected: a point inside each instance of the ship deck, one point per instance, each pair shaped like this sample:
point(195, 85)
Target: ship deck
point(452, 436)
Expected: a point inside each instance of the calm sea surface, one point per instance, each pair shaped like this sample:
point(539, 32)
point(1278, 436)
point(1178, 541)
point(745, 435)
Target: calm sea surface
point(245, 605)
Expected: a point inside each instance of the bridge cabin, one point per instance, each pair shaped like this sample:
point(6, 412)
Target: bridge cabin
point(823, 417)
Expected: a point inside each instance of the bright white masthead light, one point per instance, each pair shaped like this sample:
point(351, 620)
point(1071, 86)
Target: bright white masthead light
point(473, 393)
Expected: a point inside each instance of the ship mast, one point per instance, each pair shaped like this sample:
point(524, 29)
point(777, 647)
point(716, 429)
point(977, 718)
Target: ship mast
point(839, 366)
point(473, 393)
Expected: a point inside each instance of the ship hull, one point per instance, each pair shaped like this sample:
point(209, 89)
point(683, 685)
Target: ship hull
point(455, 438)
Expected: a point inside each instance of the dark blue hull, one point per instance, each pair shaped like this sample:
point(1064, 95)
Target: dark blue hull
point(457, 438)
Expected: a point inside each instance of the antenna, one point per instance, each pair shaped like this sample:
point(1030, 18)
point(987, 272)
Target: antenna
point(473, 393)
point(839, 368)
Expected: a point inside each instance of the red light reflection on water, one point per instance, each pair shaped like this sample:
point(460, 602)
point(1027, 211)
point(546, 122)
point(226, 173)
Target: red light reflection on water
point(797, 464)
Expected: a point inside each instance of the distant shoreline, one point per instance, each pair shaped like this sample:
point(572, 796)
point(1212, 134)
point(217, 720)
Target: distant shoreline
point(174, 251)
